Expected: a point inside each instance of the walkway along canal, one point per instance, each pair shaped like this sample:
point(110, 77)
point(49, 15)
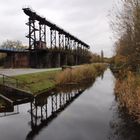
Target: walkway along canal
point(90, 113)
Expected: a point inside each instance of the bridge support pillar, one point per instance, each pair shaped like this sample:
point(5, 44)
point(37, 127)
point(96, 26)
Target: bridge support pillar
point(66, 59)
point(76, 60)
point(58, 63)
point(55, 59)
point(48, 60)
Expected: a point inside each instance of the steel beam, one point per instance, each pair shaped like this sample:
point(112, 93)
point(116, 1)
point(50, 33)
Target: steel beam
point(42, 36)
point(32, 34)
point(37, 17)
point(61, 41)
point(67, 43)
point(71, 44)
point(53, 38)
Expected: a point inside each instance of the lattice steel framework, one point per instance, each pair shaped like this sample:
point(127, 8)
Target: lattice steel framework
point(67, 43)
point(32, 33)
point(40, 116)
point(42, 35)
point(54, 103)
point(61, 41)
point(33, 16)
point(53, 38)
point(75, 47)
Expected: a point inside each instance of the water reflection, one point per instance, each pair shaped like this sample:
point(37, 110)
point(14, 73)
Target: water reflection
point(123, 126)
point(9, 110)
point(47, 107)
point(95, 118)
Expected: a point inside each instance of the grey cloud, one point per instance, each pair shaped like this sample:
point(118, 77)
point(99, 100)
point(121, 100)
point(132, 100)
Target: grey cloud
point(86, 19)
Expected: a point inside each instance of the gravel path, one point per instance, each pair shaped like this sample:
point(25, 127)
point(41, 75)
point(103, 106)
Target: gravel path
point(13, 72)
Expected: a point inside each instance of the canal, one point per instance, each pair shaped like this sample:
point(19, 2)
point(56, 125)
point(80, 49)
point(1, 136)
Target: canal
point(82, 114)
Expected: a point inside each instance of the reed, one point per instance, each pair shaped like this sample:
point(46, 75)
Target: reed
point(128, 94)
point(84, 73)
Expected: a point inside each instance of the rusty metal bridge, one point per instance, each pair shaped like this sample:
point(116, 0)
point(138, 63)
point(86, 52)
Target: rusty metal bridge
point(65, 39)
point(49, 46)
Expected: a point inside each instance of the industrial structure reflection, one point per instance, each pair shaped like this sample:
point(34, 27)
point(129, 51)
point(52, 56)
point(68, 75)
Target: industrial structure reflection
point(46, 108)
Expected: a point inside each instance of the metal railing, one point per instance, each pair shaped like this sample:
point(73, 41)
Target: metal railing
point(13, 82)
point(9, 81)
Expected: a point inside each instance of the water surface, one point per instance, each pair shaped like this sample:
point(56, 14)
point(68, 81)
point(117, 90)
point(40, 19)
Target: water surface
point(91, 114)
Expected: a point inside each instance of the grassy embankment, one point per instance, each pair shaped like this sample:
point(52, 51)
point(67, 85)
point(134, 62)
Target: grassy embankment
point(128, 93)
point(39, 82)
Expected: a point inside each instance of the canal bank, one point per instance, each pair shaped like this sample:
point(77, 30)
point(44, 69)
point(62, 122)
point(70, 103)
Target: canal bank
point(94, 114)
point(24, 88)
point(37, 83)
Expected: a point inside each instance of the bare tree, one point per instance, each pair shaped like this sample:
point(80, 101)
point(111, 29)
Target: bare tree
point(126, 25)
point(11, 44)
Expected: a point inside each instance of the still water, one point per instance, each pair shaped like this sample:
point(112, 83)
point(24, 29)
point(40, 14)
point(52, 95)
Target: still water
point(82, 114)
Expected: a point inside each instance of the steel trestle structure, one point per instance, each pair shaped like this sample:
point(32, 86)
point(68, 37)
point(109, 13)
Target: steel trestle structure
point(49, 46)
point(60, 46)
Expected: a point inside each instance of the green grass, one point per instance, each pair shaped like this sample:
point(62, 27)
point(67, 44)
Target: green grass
point(37, 82)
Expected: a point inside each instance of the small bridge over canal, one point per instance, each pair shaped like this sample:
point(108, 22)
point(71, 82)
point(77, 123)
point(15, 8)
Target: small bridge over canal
point(49, 46)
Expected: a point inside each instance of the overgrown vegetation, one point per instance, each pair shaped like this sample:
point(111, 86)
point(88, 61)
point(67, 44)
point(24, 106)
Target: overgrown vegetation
point(125, 23)
point(96, 58)
point(128, 93)
point(41, 82)
point(126, 26)
point(84, 73)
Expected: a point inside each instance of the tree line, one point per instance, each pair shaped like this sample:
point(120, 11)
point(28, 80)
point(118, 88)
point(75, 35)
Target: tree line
point(125, 23)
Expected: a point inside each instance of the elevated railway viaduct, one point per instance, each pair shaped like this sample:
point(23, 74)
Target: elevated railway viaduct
point(49, 46)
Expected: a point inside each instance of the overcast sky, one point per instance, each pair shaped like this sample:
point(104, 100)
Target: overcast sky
point(86, 19)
